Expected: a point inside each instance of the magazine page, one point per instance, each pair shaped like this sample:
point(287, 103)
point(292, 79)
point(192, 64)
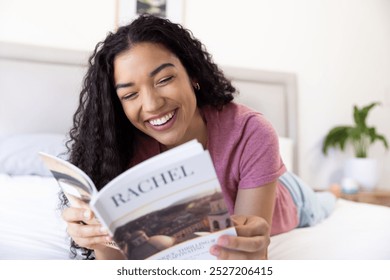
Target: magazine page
point(167, 211)
point(76, 185)
point(178, 153)
point(144, 169)
point(72, 180)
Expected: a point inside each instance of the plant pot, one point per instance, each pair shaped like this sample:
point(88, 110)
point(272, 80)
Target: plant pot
point(364, 171)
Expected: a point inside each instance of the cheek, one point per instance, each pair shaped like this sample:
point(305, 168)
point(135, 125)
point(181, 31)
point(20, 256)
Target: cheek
point(191, 100)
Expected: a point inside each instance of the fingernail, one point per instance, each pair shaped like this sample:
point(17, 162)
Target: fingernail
point(103, 230)
point(223, 241)
point(87, 215)
point(215, 251)
point(108, 238)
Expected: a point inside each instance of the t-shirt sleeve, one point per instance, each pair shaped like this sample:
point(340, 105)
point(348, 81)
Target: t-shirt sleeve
point(260, 162)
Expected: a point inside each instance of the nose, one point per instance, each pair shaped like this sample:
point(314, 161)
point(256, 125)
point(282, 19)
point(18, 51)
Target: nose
point(152, 101)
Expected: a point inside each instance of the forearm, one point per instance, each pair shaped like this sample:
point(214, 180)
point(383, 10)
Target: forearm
point(258, 201)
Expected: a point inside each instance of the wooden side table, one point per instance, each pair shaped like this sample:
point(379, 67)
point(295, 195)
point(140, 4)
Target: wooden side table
point(379, 197)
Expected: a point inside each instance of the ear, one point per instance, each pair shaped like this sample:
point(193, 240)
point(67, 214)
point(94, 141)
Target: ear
point(194, 82)
point(195, 85)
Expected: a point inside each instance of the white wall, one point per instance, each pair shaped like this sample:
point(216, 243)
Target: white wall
point(75, 24)
point(339, 49)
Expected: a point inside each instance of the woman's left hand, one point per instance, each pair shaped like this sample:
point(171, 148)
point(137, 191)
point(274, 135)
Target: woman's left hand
point(251, 242)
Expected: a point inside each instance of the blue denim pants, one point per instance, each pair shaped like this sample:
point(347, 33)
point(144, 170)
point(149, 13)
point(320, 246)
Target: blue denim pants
point(313, 207)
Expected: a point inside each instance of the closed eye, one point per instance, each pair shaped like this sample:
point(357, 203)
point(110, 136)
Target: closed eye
point(165, 80)
point(130, 96)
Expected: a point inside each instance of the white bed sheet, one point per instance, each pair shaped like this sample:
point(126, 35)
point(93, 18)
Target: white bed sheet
point(31, 227)
point(353, 231)
point(30, 224)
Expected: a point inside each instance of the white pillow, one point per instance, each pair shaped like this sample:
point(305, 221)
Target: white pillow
point(19, 152)
point(286, 148)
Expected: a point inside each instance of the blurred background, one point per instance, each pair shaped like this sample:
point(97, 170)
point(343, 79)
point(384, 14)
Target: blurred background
point(338, 49)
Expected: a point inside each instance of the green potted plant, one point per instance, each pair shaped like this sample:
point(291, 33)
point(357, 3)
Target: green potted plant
point(362, 169)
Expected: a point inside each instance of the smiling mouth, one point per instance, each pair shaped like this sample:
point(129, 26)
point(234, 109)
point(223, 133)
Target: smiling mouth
point(163, 120)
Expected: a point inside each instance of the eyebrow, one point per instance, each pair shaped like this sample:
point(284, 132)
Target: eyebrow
point(118, 86)
point(161, 67)
point(151, 74)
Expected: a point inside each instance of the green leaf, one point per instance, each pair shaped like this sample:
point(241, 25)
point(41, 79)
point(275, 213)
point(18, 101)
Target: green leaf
point(372, 133)
point(360, 115)
point(336, 137)
point(355, 133)
point(383, 139)
point(360, 136)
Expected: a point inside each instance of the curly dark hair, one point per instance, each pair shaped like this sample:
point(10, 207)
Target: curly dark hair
point(102, 139)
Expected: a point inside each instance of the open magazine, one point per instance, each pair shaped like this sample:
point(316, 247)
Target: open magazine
point(167, 207)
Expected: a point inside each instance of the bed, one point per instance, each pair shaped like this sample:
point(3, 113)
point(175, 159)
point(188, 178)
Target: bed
point(38, 94)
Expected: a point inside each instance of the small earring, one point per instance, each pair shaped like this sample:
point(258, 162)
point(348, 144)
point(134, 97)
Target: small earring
point(197, 86)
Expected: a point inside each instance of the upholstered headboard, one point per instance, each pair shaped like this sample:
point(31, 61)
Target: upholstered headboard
point(39, 89)
point(275, 95)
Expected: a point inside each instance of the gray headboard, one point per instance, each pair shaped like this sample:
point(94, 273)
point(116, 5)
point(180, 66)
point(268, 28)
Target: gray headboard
point(274, 94)
point(39, 87)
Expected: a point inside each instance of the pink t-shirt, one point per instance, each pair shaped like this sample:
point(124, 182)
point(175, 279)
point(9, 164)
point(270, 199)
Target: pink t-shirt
point(245, 151)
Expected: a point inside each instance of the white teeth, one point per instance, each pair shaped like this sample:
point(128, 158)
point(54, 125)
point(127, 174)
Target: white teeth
point(162, 120)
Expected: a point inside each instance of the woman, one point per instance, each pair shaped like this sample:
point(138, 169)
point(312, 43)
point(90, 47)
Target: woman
point(151, 86)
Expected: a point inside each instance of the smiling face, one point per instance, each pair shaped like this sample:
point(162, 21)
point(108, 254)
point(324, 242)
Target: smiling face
point(157, 94)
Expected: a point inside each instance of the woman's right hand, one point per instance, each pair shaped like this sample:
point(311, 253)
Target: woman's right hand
point(84, 229)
